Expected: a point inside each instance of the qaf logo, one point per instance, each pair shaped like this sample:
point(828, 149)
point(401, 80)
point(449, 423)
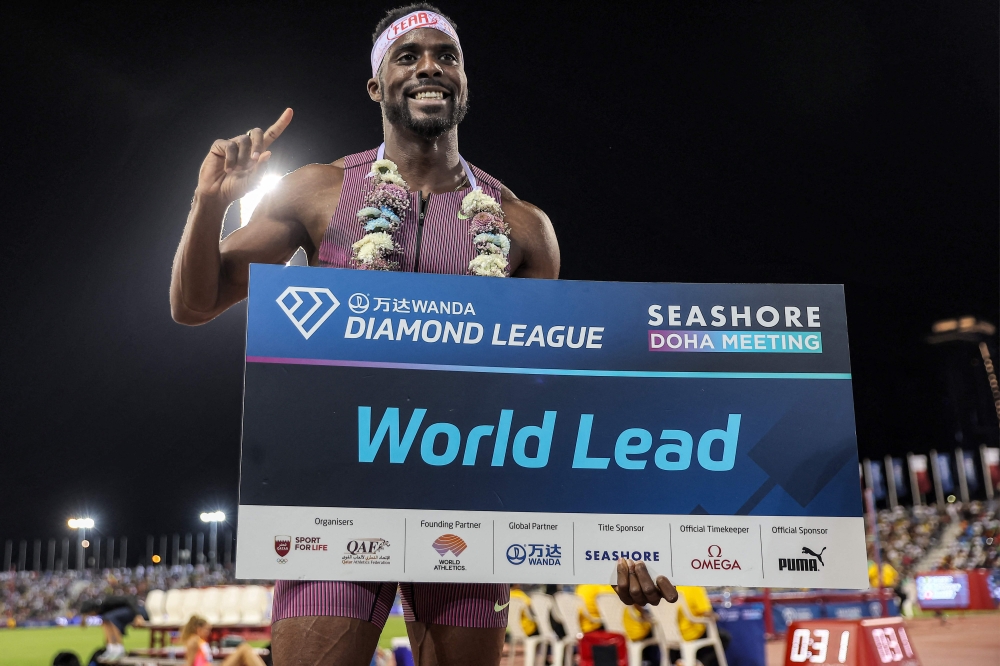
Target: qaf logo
point(282, 545)
point(303, 305)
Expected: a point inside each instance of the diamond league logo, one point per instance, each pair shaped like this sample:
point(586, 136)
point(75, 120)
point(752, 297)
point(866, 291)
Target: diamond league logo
point(314, 299)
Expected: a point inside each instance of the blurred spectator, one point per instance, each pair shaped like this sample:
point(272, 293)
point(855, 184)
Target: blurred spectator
point(66, 659)
point(526, 622)
point(700, 606)
point(116, 613)
point(589, 595)
point(28, 596)
point(907, 533)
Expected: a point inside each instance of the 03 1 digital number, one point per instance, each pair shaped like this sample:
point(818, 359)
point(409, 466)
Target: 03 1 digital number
point(812, 646)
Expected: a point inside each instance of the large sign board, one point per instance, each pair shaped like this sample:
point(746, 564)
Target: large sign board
point(414, 427)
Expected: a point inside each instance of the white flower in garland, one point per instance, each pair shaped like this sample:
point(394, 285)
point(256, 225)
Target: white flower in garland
point(478, 201)
point(386, 171)
point(373, 246)
point(489, 265)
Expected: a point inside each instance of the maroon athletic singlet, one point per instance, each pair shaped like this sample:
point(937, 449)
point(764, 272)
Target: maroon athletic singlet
point(434, 240)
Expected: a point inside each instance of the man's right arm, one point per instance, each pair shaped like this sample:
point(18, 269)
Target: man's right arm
point(209, 276)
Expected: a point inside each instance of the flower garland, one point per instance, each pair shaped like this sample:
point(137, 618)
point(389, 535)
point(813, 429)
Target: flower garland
point(385, 205)
point(389, 200)
point(491, 235)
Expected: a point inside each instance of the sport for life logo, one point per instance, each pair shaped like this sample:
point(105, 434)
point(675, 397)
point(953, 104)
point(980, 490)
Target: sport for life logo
point(282, 544)
point(307, 319)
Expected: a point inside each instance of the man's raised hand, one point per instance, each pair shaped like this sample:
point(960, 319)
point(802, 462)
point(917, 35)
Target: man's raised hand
point(636, 586)
point(235, 166)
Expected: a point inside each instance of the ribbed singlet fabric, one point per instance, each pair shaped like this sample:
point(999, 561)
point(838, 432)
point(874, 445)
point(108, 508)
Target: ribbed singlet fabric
point(445, 243)
point(445, 247)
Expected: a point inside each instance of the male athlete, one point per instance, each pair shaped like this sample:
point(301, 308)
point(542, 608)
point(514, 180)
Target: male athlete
point(418, 78)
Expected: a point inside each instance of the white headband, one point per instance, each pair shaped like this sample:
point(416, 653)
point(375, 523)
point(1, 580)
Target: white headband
point(412, 21)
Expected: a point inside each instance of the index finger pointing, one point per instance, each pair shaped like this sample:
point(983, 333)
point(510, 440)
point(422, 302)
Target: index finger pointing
point(275, 130)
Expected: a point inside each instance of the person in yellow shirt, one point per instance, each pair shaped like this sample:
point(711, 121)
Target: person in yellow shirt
point(589, 595)
point(699, 604)
point(890, 577)
point(636, 625)
point(526, 622)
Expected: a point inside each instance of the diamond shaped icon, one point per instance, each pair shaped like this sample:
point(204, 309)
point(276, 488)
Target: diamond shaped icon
point(309, 321)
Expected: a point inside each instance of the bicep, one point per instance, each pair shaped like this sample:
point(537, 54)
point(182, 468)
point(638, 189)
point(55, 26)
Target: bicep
point(271, 237)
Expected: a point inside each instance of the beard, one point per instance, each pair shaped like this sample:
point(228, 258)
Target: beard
point(426, 128)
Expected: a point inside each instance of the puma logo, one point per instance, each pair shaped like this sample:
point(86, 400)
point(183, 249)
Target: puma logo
point(818, 556)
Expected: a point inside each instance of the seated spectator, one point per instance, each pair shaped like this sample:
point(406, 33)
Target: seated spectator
point(198, 652)
point(530, 629)
point(637, 627)
point(589, 595)
point(700, 606)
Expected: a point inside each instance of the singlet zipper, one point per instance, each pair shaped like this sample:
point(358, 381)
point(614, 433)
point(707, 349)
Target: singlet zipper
point(420, 230)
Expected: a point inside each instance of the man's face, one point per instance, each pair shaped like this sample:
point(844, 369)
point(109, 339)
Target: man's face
point(421, 84)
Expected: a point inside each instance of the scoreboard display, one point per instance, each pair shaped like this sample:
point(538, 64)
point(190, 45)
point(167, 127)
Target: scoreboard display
point(852, 642)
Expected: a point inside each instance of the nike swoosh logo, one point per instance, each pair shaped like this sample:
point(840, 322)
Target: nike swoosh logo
point(497, 607)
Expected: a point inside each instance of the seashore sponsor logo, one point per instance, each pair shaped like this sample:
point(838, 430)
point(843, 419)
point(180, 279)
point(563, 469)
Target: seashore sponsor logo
point(282, 546)
point(810, 563)
point(615, 555)
point(715, 561)
point(370, 551)
point(535, 554)
point(690, 329)
point(449, 543)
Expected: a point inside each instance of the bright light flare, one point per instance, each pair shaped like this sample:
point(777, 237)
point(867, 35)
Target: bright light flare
point(251, 199)
point(80, 523)
point(156, 559)
point(214, 517)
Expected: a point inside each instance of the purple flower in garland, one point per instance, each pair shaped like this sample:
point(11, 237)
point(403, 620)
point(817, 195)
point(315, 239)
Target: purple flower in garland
point(488, 223)
point(390, 196)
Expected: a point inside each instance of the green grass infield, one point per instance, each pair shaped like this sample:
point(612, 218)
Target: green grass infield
point(37, 647)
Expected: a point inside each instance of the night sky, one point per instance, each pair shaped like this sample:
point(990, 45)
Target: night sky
point(807, 142)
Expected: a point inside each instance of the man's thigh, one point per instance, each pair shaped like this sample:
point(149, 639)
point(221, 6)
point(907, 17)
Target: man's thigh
point(445, 645)
point(321, 640)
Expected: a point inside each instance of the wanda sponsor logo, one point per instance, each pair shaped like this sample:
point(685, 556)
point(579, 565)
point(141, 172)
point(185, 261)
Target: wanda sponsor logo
point(715, 561)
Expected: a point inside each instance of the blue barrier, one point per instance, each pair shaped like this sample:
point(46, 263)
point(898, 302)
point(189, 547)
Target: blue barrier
point(745, 625)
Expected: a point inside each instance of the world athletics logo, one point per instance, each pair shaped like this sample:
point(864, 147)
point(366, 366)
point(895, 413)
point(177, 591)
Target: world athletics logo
point(451, 542)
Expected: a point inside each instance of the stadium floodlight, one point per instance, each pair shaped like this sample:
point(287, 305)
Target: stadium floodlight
point(213, 517)
point(80, 523)
point(251, 199)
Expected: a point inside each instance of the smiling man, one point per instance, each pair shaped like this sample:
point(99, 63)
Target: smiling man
point(348, 215)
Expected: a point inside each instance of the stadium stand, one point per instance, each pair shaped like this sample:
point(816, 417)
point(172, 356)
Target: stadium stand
point(54, 597)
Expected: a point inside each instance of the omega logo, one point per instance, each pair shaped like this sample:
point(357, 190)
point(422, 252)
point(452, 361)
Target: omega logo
point(715, 561)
